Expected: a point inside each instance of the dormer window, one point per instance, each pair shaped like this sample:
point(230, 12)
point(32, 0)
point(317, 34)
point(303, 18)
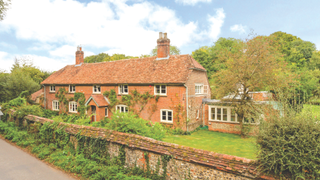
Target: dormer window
point(72, 89)
point(123, 89)
point(96, 89)
point(52, 88)
point(160, 89)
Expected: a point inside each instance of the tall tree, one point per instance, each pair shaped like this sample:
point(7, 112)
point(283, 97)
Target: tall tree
point(252, 64)
point(4, 5)
point(208, 56)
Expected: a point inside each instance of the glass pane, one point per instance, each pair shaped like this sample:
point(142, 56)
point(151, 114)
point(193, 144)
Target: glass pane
point(225, 114)
point(99, 88)
point(218, 113)
point(122, 109)
point(233, 115)
point(164, 115)
point(197, 88)
point(213, 113)
point(106, 111)
point(158, 89)
point(125, 88)
point(169, 116)
point(163, 89)
point(126, 109)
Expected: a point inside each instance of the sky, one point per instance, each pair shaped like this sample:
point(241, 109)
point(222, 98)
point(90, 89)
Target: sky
point(47, 32)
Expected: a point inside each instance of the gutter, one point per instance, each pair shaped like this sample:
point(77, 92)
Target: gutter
point(44, 96)
point(187, 105)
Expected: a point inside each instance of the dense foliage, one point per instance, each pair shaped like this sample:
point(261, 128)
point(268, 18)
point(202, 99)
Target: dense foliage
point(23, 77)
point(290, 145)
point(89, 160)
point(131, 123)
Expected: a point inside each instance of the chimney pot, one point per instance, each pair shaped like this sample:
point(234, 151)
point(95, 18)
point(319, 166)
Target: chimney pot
point(165, 35)
point(160, 35)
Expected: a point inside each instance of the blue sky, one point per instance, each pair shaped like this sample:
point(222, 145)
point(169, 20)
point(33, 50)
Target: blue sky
point(47, 32)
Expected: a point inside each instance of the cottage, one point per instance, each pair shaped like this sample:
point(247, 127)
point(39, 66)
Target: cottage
point(178, 81)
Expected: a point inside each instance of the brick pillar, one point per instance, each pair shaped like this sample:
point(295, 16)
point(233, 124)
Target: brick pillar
point(79, 55)
point(163, 46)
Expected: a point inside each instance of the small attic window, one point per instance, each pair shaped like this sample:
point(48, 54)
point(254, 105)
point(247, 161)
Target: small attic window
point(52, 89)
point(96, 89)
point(72, 89)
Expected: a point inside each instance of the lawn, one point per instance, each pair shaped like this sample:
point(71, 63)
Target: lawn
point(218, 142)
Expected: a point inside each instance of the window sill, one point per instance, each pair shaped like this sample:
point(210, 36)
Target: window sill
point(72, 92)
point(231, 122)
point(161, 95)
point(96, 93)
point(55, 110)
point(123, 94)
point(52, 92)
point(165, 122)
point(73, 112)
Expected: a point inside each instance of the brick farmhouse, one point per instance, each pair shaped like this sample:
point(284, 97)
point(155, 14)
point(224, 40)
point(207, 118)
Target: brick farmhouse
point(178, 81)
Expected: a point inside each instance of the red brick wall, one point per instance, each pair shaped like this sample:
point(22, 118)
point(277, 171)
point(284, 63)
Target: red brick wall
point(195, 101)
point(170, 101)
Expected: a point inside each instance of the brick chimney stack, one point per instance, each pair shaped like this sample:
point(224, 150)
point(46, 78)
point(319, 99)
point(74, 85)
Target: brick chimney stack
point(79, 55)
point(163, 46)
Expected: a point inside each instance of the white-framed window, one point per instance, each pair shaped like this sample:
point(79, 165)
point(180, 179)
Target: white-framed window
point(160, 89)
point(106, 112)
point(123, 89)
point(52, 88)
point(55, 105)
point(73, 106)
point(166, 115)
point(72, 88)
point(96, 89)
point(222, 113)
point(227, 114)
point(122, 108)
point(198, 88)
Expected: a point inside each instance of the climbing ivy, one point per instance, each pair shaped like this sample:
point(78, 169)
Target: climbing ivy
point(61, 95)
point(135, 101)
point(81, 100)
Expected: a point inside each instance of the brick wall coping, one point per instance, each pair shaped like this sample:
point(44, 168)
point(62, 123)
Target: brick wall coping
point(227, 163)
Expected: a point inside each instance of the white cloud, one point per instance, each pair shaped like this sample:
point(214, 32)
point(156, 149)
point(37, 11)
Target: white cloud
point(58, 26)
point(44, 63)
point(191, 2)
point(238, 28)
point(6, 45)
point(108, 24)
point(216, 23)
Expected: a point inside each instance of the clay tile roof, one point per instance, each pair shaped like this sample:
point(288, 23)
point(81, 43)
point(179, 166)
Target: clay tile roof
point(36, 94)
point(130, 71)
point(99, 99)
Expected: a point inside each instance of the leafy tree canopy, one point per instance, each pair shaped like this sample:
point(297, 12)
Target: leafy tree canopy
point(4, 5)
point(103, 57)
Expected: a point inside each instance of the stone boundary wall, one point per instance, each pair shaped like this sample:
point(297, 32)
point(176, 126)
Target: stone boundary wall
point(194, 125)
point(186, 162)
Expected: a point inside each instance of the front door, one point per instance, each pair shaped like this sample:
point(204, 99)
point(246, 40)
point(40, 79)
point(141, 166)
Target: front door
point(93, 111)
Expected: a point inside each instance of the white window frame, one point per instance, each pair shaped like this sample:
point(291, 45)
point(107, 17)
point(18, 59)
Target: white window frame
point(167, 116)
point(161, 94)
point(228, 112)
point(73, 107)
point(121, 88)
point(72, 88)
point(106, 112)
point(118, 108)
point(52, 88)
point(201, 87)
point(96, 88)
point(198, 114)
point(55, 107)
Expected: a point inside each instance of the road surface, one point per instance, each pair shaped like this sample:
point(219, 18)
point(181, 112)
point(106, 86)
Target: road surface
point(15, 164)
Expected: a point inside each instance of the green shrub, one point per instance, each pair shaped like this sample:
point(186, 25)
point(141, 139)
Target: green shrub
point(290, 146)
point(131, 123)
